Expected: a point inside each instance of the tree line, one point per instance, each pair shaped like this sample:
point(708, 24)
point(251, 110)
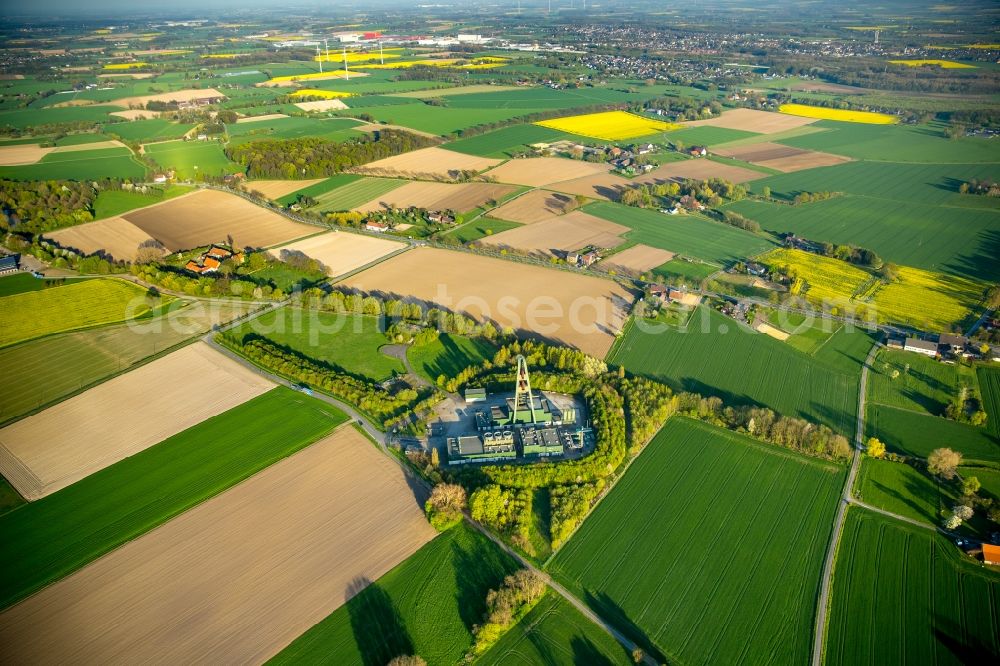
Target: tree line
point(383, 406)
point(311, 157)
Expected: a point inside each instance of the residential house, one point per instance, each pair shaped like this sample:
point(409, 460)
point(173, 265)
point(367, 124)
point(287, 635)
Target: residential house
point(375, 225)
point(956, 344)
point(589, 258)
point(925, 347)
point(698, 151)
point(439, 217)
point(754, 268)
point(895, 343)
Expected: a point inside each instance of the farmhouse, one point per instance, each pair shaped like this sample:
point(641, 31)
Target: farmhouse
point(991, 554)
point(925, 347)
point(211, 260)
point(956, 344)
point(375, 225)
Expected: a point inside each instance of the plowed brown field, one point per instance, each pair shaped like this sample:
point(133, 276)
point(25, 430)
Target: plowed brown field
point(751, 120)
point(61, 445)
point(114, 236)
point(577, 310)
point(535, 206)
point(540, 171)
point(558, 235)
point(459, 197)
point(430, 162)
point(209, 216)
point(237, 578)
point(342, 252)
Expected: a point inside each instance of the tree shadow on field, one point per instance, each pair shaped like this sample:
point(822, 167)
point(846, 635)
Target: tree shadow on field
point(478, 568)
point(585, 652)
point(966, 649)
point(378, 627)
point(612, 613)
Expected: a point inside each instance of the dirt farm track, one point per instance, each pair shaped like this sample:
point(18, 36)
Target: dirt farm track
point(233, 580)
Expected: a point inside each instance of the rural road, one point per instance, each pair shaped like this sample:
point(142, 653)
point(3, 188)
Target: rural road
point(380, 437)
point(822, 603)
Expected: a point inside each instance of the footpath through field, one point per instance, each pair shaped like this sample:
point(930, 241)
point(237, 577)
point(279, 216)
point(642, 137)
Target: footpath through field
point(822, 603)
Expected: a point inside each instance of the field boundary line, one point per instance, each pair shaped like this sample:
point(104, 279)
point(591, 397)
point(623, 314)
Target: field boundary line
point(823, 600)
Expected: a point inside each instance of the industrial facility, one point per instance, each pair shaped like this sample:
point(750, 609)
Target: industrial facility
point(524, 425)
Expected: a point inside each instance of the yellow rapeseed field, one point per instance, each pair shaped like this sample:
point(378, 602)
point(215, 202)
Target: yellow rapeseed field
point(944, 64)
point(306, 77)
point(486, 62)
point(609, 125)
point(927, 300)
point(226, 55)
point(325, 94)
point(126, 65)
point(830, 281)
point(844, 115)
point(359, 56)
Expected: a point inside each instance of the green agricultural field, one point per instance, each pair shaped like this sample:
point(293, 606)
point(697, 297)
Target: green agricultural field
point(693, 271)
point(56, 535)
point(293, 128)
point(73, 306)
point(807, 334)
point(708, 136)
point(902, 489)
point(507, 140)
point(989, 387)
point(484, 226)
point(350, 342)
point(115, 202)
point(932, 184)
point(556, 634)
point(79, 165)
point(915, 434)
point(922, 384)
point(895, 143)
point(930, 301)
point(684, 234)
point(989, 477)
point(828, 281)
point(22, 118)
point(56, 367)
point(148, 130)
point(902, 594)
point(190, 158)
point(448, 355)
point(316, 190)
point(435, 119)
point(427, 606)
point(909, 234)
point(355, 193)
point(9, 499)
point(715, 355)
point(691, 554)
point(19, 283)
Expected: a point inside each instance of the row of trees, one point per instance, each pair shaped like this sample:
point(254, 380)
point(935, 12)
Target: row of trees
point(505, 606)
point(312, 157)
point(380, 404)
point(766, 425)
point(985, 187)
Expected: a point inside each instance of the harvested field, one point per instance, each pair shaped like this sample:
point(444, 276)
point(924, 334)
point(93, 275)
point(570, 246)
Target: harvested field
point(134, 75)
point(342, 252)
point(459, 197)
point(135, 114)
point(432, 163)
point(698, 169)
point(266, 116)
point(606, 186)
point(241, 575)
point(88, 146)
point(140, 101)
point(554, 237)
point(275, 189)
point(530, 299)
point(25, 153)
point(208, 216)
point(322, 105)
point(540, 171)
point(63, 444)
point(775, 333)
point(750, 120)
point(780, 157)
point(535, 206)
point(638, 258)
point(114, 236)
